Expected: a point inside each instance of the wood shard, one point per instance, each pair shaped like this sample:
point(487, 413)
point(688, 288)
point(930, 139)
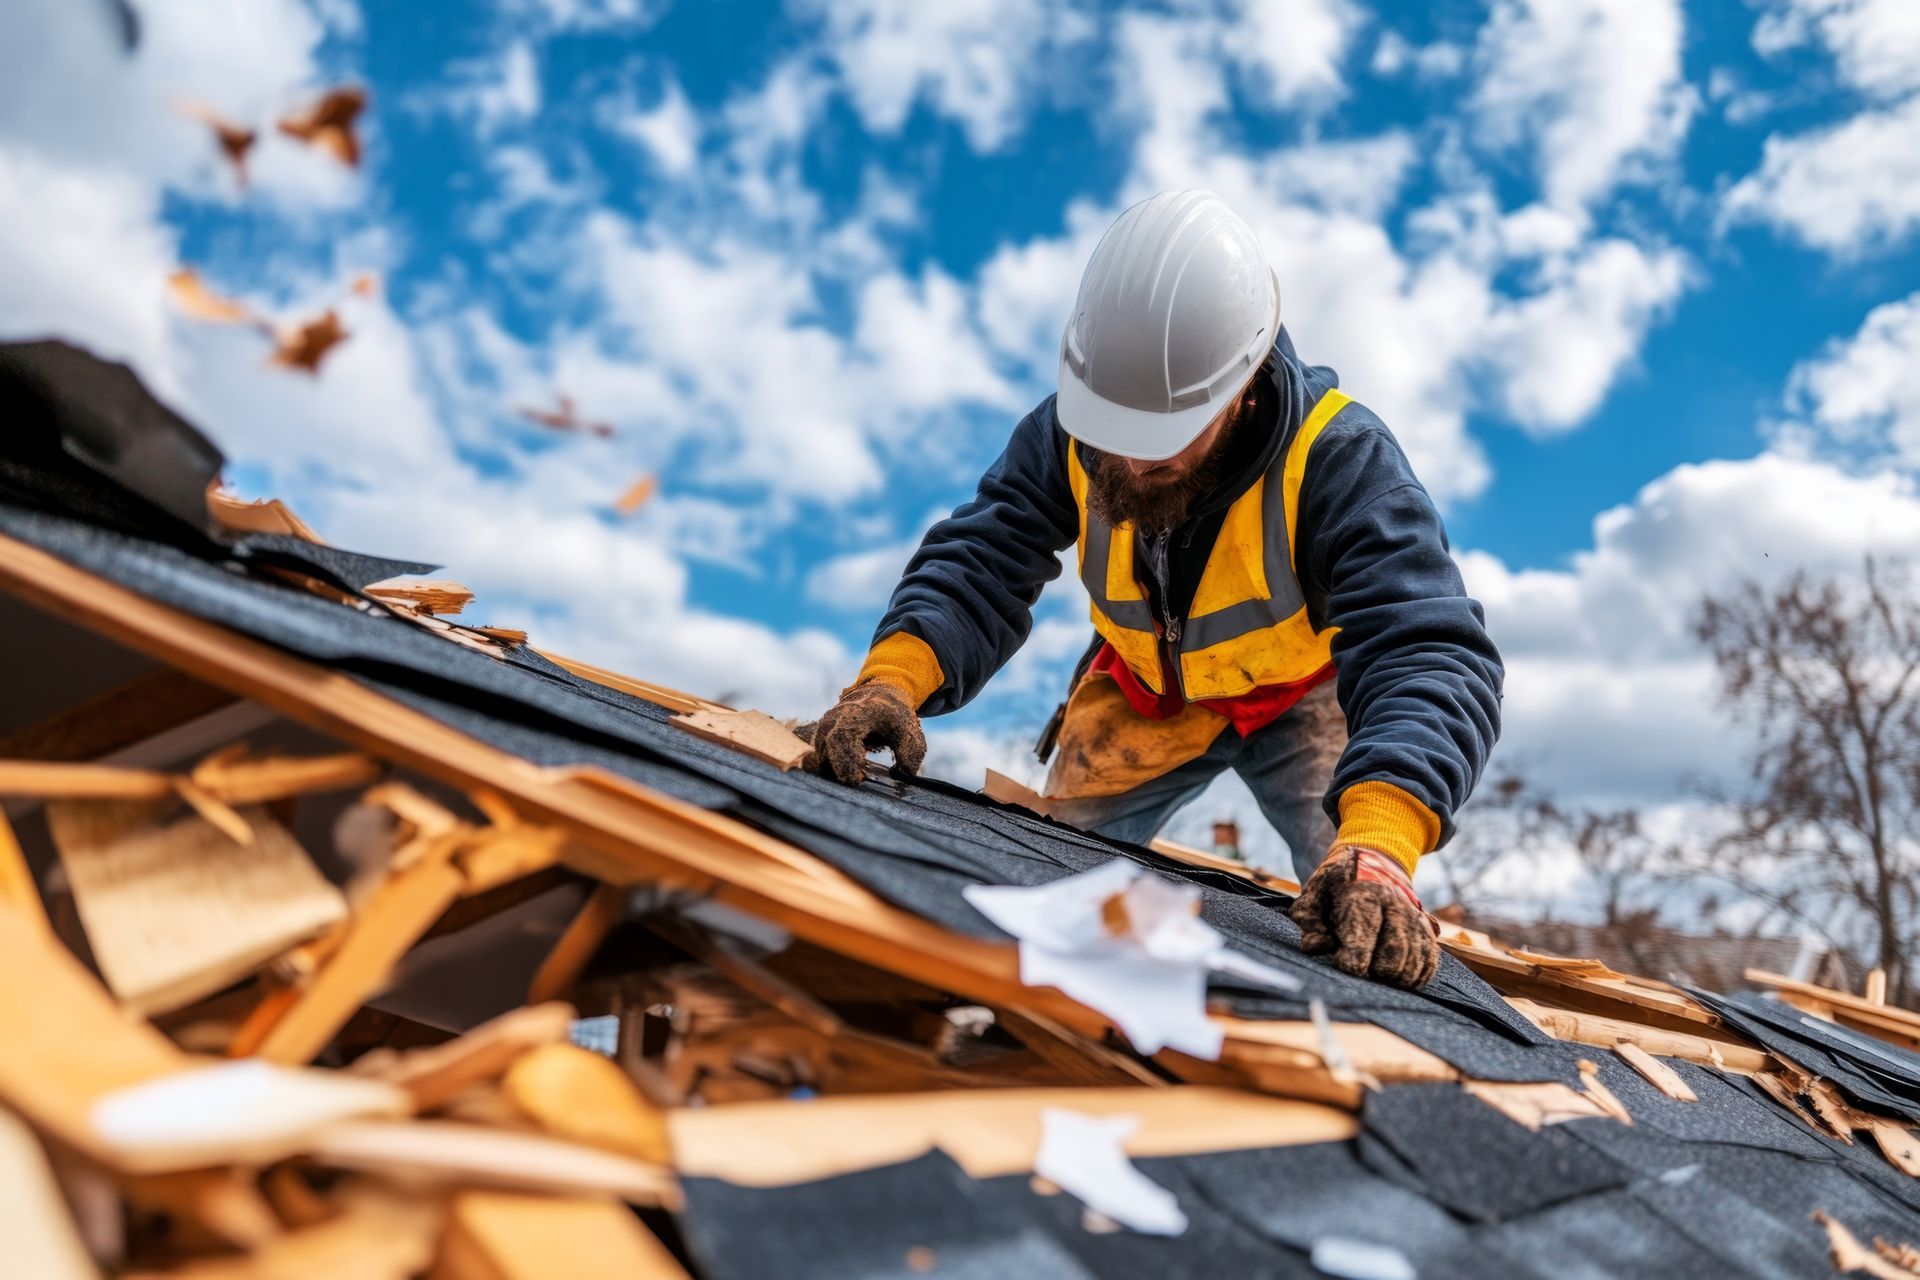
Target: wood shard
point(754, 732)
point(635, 496)
point(575, 1093)
point(432, 595)
point(436, 1074)
point(1657, 1073)
point(175, 908)
point(441, 1152)
point(1537, 1105)
point(1849, 1255)
point(495, 1235)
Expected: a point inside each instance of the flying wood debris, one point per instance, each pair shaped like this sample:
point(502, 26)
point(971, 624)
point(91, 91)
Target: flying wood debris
point(635, 496)
point(234, 139)
point(564, 416)
point(300, 345)
point(823, 1061)
point(329, 124)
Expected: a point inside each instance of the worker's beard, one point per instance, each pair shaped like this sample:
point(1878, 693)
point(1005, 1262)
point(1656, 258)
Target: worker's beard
point(1154, 504)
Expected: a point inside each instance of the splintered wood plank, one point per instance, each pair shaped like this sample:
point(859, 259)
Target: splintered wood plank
point(436, 1074)
point(81, 781)
point(496, 1235)
point(431, 595)
point(571, 954)
point(175, 908)
point(989, 1132)
point(492, 857)
point(646, 690)
point(399, 913)
point(1849, 1255)
point(240, 779)
point(1537, 1105)
point(41, 1239)
point(65, 1043)
point(1213, 862)
point(1895, 1141)
point(1603, 1032)
point(1658, 1074)
point(264, 515)
point(18, 890)
point(575, 1093)
point(1000, 787)
point(144, 706)
point(753, 732)
point(443, 1152)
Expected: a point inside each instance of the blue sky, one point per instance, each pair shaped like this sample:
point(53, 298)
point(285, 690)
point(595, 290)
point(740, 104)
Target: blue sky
point(1637, 283)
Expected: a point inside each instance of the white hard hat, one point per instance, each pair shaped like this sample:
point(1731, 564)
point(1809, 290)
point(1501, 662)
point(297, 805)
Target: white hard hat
point(1176, 311)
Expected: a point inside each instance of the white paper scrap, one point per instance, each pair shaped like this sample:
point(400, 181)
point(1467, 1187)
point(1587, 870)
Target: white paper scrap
point(1128, 944)
point(227, 1111)
point(1352, 1259)
point(1083, 1156)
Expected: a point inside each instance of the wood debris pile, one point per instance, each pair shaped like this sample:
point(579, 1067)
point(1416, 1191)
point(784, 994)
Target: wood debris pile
point(298, 979)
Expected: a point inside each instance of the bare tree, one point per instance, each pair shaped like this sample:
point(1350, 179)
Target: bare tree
point(1623, 863)
point(1826, 671)
point(1509, 818)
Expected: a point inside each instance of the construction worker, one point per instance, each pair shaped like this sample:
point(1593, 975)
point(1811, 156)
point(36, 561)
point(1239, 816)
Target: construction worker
point(1271, 592)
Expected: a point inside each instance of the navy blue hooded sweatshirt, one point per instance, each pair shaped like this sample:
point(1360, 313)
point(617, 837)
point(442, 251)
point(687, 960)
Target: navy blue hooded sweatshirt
point(1418, 677)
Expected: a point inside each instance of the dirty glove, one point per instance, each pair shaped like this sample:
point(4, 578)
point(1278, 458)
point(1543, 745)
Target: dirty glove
point(867, 717)
point(1360, 905)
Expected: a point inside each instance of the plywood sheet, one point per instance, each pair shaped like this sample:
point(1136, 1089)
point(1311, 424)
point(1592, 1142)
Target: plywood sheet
point(175, 908)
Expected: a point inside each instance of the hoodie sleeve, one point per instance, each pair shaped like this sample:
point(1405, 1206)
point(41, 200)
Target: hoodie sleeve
point(1419, 678)
point(965, 602)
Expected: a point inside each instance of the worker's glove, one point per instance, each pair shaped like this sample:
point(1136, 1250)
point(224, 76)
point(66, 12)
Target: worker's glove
point(1360, 905)
point(868, 717)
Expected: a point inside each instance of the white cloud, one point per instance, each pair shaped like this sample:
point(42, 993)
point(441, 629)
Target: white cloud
point(860, 581)
point(669, 130)
point(1595, 86)
point(493, 91)
point(1863, 391)
point(1846, 189)
point(550, 16)
point(1560, 349)
point(1874, 43)
point(1608, 696)
point(1394, 54)
point(977, 62)
point(83, 256)
point(1293, 49)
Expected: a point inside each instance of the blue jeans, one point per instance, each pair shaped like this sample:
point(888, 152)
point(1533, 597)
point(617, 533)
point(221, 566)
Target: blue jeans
point(1287, 765)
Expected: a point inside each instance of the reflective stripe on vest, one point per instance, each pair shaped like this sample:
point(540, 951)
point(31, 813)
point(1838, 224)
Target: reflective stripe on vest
point(1248, 626)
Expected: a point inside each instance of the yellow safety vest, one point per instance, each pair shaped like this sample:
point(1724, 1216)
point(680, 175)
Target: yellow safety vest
point(1248, 626)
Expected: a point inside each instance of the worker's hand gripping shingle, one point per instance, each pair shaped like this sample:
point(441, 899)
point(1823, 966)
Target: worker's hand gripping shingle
point(1360, 905)
point(868, 717)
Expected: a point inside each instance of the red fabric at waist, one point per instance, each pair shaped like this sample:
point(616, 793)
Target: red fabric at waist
point(1250, 711)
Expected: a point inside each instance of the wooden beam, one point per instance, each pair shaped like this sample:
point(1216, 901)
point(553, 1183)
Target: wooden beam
point(990, 1132)
point(1605, 1033)
point(646, 690)
point(570, 956)
point(399, 913)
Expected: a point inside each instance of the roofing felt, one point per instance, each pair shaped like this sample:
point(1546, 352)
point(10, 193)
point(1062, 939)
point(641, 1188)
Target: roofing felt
point(1726, 1185)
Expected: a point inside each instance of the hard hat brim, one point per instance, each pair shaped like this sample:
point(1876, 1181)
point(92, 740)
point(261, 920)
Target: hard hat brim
point(1132, 433)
